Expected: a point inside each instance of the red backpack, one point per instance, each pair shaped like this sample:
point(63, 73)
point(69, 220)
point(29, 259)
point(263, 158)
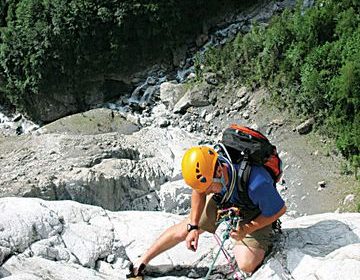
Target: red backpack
point(246, 146)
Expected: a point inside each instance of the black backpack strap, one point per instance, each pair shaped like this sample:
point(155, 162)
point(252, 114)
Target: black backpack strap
point(243, 176)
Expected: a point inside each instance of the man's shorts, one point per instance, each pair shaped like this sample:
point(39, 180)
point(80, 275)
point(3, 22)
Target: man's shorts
point(261, 238)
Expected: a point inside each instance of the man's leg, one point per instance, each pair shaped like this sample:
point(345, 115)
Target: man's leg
point(177, 233)
point(250, 252)
point(248, 258)
point(168, 239)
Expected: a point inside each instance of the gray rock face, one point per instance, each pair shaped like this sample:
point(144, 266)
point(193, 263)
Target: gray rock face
point(318, 247)
point(58, 101)
point(68, 240)
point(112, 170)
point(170, 93)
point(197, 97)
point(175, 197)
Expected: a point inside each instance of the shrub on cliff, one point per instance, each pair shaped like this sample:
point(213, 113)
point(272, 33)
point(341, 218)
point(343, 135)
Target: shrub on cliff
point(310, 59)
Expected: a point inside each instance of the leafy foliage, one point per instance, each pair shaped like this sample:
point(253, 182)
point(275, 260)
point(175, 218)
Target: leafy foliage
point(58, 46)
point(310, 59)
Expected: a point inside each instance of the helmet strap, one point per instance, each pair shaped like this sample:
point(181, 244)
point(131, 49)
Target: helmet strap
point(220, 180)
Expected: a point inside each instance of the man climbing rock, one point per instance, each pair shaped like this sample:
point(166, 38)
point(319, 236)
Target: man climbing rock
point(215, 184)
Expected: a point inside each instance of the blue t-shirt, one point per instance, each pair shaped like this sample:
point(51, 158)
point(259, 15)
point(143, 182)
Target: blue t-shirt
point(261, 191)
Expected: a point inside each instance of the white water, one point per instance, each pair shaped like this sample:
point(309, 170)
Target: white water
point(15, 124)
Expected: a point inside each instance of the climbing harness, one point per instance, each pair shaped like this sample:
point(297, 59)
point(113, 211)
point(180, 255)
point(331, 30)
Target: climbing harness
point(231, 216)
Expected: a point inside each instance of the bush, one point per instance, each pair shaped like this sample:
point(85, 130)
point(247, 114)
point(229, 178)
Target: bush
point(55, 45)
point(311, 62)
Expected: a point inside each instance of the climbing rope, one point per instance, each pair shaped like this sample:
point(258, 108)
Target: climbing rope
point(231, 217)
point(225, 252)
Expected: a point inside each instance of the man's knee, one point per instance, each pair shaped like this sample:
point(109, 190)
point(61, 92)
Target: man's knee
point(247, 258)
point(248, 266)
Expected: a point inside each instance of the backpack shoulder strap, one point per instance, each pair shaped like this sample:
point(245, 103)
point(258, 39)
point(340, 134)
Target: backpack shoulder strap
point(243, 184)
point(243, 175)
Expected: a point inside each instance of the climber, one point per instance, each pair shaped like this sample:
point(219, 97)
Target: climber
point(210, 175)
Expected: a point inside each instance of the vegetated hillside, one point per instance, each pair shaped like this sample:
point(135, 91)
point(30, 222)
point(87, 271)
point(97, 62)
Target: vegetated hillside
point(53, 50)
point(310, 59)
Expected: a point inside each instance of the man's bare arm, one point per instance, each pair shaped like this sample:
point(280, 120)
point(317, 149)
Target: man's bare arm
point(197, 206)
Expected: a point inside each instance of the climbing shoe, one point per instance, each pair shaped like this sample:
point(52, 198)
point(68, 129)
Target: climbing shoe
point(136, 273)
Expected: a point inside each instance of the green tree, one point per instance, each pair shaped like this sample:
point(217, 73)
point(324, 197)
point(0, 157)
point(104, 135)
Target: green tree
point(60, 47)
point(310, 60)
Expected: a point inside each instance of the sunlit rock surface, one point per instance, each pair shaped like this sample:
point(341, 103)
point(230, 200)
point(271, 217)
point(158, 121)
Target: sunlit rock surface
point(68, 240)
point(112, 170)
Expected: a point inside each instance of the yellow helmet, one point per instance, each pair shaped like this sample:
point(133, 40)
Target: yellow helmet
point(198, 165)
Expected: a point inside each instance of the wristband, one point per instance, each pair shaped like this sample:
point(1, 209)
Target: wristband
point(190, 227)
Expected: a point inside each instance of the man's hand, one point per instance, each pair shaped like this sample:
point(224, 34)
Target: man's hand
point(192, 240)
point(259, 222)
point(238, 234)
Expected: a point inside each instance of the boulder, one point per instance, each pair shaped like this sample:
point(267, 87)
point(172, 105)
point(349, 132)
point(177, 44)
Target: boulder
point(197, 96)
point(170, 93)
point(211, 78)
point(306, 126)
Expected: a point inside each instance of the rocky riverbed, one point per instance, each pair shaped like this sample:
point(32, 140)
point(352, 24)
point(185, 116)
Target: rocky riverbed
point(72, 157)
